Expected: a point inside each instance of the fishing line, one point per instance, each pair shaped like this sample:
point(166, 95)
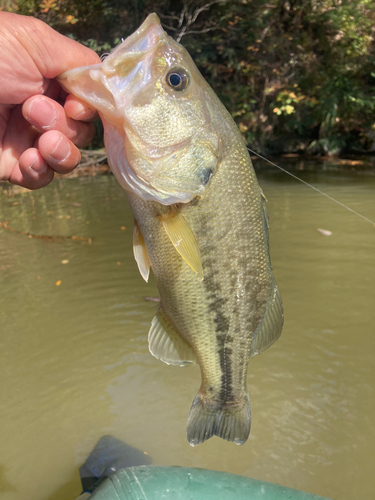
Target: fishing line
point(313, 187)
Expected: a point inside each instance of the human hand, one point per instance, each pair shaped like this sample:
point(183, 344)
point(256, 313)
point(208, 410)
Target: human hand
point(41, 128)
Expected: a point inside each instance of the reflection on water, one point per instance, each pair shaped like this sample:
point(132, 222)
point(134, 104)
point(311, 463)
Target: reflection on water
point(75, 364)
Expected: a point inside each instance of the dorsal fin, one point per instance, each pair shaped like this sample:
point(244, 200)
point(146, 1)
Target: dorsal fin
point(271, 326)
point(140, 253)
point(166, 344)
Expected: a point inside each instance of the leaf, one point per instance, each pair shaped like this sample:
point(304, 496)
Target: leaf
point(324, 232)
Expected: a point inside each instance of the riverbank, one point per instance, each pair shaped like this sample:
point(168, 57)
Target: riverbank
point(95, 163)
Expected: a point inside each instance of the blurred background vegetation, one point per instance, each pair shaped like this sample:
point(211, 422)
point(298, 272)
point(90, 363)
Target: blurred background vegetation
point(296, 75)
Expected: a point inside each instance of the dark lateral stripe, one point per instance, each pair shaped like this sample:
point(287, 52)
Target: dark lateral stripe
point(226, 391)
point(217, 305)
point(222, 323)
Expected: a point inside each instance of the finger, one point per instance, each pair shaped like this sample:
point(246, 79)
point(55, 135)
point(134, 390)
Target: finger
point(79, 110)
point(46, 114)
point(31, 171)
point(58, 151)
point(18, 136)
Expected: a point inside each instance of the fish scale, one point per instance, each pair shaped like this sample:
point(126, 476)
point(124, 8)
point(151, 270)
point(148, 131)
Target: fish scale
point(200, 219)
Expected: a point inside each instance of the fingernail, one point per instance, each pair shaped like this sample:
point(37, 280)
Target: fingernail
point(38, 166)
point(85, 115)
point(42, 113)
point(61, 151)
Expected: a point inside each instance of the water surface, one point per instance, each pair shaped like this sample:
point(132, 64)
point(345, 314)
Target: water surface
point(75, 363)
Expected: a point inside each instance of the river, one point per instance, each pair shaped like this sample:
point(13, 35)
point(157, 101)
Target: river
point(75, 363)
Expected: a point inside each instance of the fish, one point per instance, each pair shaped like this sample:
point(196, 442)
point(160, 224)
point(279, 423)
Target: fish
point(200, 221)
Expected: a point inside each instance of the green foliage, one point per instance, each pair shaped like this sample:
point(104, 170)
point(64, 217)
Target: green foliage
point(294, 74)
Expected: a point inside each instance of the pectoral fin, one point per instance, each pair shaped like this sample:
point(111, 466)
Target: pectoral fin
point(183, 239)
point(270, 329)
point(166, 344)
point(140, 253)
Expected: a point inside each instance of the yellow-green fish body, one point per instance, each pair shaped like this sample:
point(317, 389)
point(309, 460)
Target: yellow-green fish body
point(200, 219)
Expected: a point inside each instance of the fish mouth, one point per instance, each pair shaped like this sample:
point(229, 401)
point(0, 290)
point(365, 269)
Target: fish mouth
point(120, 71)
point(134, 48)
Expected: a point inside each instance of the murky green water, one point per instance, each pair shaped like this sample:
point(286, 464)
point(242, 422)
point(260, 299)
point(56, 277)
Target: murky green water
point(75, 363)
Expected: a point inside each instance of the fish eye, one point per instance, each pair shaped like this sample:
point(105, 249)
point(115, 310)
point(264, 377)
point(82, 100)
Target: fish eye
point(177, 79)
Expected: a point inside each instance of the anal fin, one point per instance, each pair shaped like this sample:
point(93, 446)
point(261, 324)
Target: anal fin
point(166, 344)
point(140, 253)
point(270, 328)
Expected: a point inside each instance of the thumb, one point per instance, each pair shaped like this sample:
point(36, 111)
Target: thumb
point(51, 52)
point(62, 53)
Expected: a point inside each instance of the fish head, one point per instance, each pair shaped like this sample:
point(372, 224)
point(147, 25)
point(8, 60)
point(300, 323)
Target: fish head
point(154, 106)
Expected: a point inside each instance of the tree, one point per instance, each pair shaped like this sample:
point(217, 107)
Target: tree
point(295, 75)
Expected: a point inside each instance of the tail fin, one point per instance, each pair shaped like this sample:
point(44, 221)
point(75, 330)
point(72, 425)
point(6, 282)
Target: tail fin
point(205, 421)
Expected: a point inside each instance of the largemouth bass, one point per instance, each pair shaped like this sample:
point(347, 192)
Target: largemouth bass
point(200, 219)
